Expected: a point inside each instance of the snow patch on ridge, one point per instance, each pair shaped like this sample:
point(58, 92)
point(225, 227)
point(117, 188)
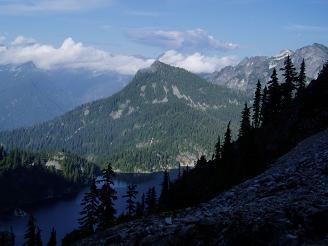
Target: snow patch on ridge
point(283, 54)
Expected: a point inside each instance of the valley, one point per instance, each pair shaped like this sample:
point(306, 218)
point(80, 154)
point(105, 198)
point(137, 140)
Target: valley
point(208, 133)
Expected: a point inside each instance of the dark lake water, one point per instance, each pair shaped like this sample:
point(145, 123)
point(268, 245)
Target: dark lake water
point(63, 214)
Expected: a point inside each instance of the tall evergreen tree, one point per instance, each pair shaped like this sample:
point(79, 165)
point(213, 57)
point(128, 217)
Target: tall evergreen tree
point(257, 105)
point(179, 170)
point(289, 85)
point(151, 200)
point(38, 239)
point(131, 196)
point(201, 162)
point(227, 146)
point(301, 79)
point(245, 124)
point(90, 206)
point(53, 238)
point(217, 155)
point(107, 195)
point(264, 107)
point(164, 197)
point(141, 206)
point(274, 96)
point(30, 234)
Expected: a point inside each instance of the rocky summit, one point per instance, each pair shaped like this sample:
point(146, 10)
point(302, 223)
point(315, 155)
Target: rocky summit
point(244, 75)
point(286, 205)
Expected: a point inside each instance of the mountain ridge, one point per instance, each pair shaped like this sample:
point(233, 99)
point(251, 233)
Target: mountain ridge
point(245, 74)
point(30, 95)
point(164, 115)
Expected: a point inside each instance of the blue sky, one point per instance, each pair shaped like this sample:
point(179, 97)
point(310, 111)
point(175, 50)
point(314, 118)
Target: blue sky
point(146, 29)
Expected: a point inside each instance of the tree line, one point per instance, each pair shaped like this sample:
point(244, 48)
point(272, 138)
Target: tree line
point(39, 177)
point(97, 207)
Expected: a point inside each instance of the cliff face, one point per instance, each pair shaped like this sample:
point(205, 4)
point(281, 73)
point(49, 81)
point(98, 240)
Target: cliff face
point(288, 204)
point(244, 75)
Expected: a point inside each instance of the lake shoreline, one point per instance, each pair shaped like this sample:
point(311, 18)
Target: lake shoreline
point(26, 205)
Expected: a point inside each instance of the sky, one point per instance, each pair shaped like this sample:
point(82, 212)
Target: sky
point(126, 35)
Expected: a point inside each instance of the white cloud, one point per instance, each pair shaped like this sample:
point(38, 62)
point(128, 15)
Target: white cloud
point(197, 39)
point(2, 40)
point(27, 7)
point(306, 28)
point(21, 40)
point(197, 62)
point(71, 54)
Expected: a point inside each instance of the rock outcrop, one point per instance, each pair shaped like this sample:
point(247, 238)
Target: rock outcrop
point(286, 205)
point(244, 75)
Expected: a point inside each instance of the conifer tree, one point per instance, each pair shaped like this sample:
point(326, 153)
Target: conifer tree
point(53, 238)
point(301, 79)
point(257, 105)
point(131, 196)
point(245, 124)
point(179, 171)
point(38, 239)
point(148, 201)
point(288, 86)
point(264, 108)
point(217, 155)
point(107, 195)
point(201, 162)
point(226, 147)
point(151, 200)
point(13, 237)
point(154, 198)
point(274, 96)
point(141, 206)
point(30, 234)
point(164, 197)
point(90, 206)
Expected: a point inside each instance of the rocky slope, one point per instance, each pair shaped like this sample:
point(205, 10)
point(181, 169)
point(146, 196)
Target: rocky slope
point(286, 205)
point(245, 75)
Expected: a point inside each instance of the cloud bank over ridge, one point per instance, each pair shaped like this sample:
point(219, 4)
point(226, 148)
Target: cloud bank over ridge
point(72, 54)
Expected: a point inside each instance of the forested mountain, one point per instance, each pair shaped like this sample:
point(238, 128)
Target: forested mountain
point(165, 116)
point(245, 75)
point(27, 177)
point(289, 194)
point(30, 95)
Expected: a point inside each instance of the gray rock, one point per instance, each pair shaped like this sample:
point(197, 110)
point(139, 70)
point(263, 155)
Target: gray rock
point(244, 76)
point(279, 207)
point(168, 220)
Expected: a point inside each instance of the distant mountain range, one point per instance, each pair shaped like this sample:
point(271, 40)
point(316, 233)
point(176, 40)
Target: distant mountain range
point(245, 75)
point(30, 95)
point(164, 116)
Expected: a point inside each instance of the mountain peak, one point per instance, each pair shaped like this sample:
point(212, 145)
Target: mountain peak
point(156, 66)
point(157, 63)
point(321, 46)
point(160, 65)
point(283, 53)
point(27, 65)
